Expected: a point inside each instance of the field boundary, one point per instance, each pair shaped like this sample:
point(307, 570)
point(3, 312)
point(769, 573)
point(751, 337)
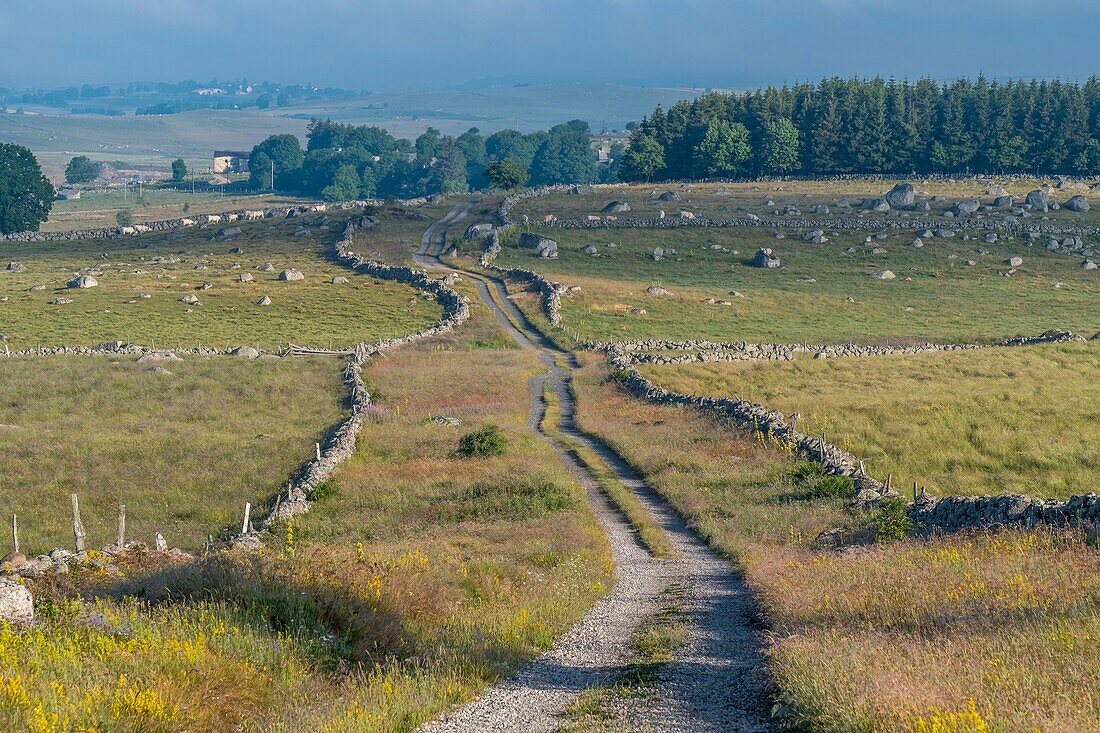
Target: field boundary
point(1009, 224)
point(295, 499)
point(945, 513)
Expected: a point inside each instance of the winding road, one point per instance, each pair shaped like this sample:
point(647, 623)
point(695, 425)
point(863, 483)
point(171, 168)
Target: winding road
point(717, 680)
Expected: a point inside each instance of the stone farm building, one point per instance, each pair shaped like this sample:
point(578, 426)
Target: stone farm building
point(231, 161)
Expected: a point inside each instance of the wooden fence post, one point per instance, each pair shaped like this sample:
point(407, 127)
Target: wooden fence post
point(318, 446)
point(121, 526)
point(78, 526)
point(15, 531)
point(247, 512)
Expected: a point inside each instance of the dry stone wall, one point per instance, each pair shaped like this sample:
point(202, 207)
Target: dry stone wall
point(929, 512)
point(549, 291)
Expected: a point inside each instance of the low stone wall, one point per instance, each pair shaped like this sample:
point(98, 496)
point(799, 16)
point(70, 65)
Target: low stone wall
point(199, 220)
point(1000, 224)
point(707, 351)
point(549, 291)
point(947, 513)
point(341, 445)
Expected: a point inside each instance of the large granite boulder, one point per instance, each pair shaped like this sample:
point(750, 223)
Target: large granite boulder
point(766, 258)
point(1037, 199)
point(616, 207)
point(545, 246)
point(16, 603)
point(901, 196)
point(1078, 204)
point(83, 282)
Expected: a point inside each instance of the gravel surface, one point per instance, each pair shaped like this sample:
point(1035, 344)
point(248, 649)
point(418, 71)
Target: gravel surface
point(717, 681)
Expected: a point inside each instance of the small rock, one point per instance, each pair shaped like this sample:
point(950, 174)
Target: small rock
point(291, 275)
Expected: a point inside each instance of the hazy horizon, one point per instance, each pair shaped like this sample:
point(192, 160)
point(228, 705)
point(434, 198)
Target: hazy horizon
point(422, 44)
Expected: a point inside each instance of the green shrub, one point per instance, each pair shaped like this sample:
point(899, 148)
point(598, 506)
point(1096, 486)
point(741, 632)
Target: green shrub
point(124, 218)
point(488, 441)
point(892, 522)
point(808, 472)
point(322, 491)
point(829, 487)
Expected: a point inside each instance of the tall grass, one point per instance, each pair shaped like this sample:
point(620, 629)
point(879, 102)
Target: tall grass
point(183, 451)
point(967, 422)
point(965, 633)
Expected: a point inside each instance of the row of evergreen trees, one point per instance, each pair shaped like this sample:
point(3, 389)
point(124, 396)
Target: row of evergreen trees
point(343, 162)
point(873, 126)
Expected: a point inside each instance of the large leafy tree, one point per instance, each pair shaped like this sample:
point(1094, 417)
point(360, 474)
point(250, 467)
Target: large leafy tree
point(26, 197)
point(81, 170)
point(723, 149)
point(779, 149)
point(179, 169)
point(566, 156)
point(506, 174)
point(643, 159)
point(285, 153)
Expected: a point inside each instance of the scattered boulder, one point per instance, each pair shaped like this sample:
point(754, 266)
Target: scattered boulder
point(545, 246)
point(656, 290)
point(917, 242)
point(669, 196)
point(61, 301)
point(816, 236)
point(266, 267)
point(190, 299)
point(883, 275)
point(1088, 265)
point(901, 196)
point(658, 254)
point(16, 602)
point(246, 277)
point(1037, 199)
point(964, 208)
point(37, 288)
point(264, 301)
point(83, 282)
point(1014, 261)
point(1077, 204)
point(476, 231)
point(291, 275)
point(245, 351)
point(1003, 202)
point(881, 206)
point(15, 267)
point(766, 258)
point(590, 249)
point(616, 207)
point(339, 280)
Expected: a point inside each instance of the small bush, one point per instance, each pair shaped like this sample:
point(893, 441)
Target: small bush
point(322, 491)
point(829, 487)
point(892, 523)
point(808, 472)
point(124, 218)
point(488, 441)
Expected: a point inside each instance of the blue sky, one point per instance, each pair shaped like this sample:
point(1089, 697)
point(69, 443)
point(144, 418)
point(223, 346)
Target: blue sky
point(402, 44)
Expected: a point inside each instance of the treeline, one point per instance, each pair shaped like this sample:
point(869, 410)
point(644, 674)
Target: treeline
point(873, 126)
point(342, 162)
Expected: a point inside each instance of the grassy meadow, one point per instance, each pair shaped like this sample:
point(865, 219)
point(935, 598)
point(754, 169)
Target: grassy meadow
point(419, 577)
point(821, 294)
point(1001, 420)
point(705, 200)
point(183, 451)
point(143, 279)
point(972, 632)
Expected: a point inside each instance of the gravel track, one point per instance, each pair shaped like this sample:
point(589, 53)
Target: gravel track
point(717, 681)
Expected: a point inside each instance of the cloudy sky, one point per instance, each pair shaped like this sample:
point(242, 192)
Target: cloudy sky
point(389, 45)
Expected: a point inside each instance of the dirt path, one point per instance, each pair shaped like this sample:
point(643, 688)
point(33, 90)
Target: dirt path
point(717, 680)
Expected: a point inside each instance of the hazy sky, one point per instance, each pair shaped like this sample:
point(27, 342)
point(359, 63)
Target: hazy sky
point(400, 44)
